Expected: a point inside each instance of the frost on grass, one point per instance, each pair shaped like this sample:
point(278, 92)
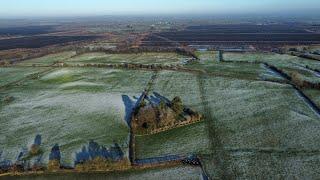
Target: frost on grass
point(49, 59)
point(67, 116)
point(191, 139)
point(250, 165)
point(253, 114)
point(184, 140)
point(279, 60)
point(269, 74)
point(314, 95)
point(77, 118)
point(185, 85)
point(139, 58)
point(12, 74)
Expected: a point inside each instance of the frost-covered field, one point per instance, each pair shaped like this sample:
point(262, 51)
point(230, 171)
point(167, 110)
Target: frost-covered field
point(187, 140)
point(184, 140)
point(140, 58)
point(289, 64)
point(257, 114)
point(13, 74)
point(250, 165)
point(254, 126)
point(252, 116)
point(69, 106)
point(279, 60)
point(239, 70)
point(184, 85)
point(48, 59)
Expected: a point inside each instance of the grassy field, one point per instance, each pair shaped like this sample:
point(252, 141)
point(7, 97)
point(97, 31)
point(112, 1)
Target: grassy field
point(185, 85)
point(289, 64)
point(279, 60)
point(314, 94)
point(185, 140)
point(48, 59)
point(80, 104)
point(209, 64)
point(139, 58)
point(255, 115)
point(252, 127)
point(251, 165)
point(13, 74)
point(303, 74)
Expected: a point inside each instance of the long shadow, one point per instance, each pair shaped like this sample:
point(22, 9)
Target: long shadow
point(130, 105)
point(55, 153)
point(160, 97)
point(94, 150)
point(4, 164)
point(129, 108)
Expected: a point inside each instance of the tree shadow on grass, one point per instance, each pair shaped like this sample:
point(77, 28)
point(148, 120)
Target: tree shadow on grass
point(129, 108)
point(156, 98)
point(130, 105)
point(94, 150)
point(4, 164)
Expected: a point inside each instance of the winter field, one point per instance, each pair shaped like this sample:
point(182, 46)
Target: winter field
point(80, 104)
point(255, 123)
point(138, 58)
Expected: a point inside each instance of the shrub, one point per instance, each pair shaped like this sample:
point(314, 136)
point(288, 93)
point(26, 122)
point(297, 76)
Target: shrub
point(176, 105)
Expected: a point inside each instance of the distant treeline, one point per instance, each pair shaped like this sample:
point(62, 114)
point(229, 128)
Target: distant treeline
point(182, 51)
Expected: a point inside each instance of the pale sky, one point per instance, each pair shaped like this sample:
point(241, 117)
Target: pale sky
point(111, 7)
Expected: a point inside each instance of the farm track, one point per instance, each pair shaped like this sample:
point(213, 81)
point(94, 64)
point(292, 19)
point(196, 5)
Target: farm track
point(219, 155)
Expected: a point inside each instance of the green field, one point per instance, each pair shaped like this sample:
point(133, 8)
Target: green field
point(255, 124)
point(80, 104)
point(48, 59)
point(14, 74)
point(314, 95)
point(288, 63)
point(184, 140)
point(231, 70)
point(138, 58)
point(187, 140)
point(250, 116)
point(256, 114)
point(251, 165)
point(279, 60)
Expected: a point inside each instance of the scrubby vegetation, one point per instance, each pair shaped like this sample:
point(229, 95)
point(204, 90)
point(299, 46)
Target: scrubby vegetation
point(160, 115)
